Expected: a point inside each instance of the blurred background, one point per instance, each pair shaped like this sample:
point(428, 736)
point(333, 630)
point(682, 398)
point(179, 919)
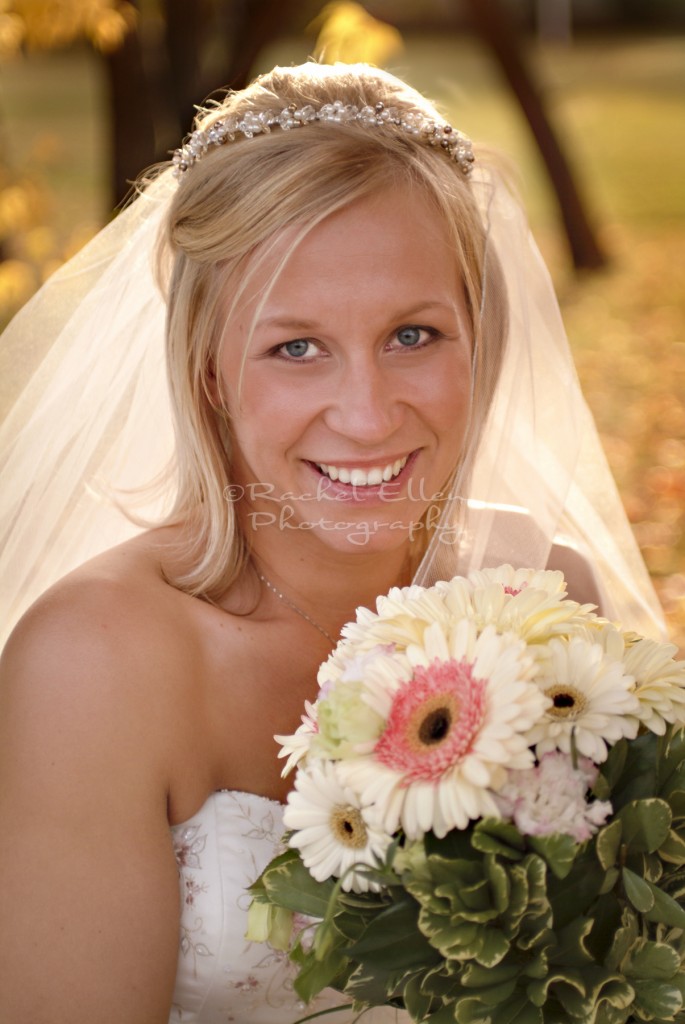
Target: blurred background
point(587, 98)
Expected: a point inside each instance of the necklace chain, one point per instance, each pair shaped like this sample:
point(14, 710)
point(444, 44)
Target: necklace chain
point(294, 607)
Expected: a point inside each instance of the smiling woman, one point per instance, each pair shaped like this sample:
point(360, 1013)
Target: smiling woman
point(368, 386)
point(382, 403)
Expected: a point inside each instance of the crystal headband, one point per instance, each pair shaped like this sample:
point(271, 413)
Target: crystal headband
point(431, 133)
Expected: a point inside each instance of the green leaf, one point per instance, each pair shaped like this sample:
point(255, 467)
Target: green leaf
point(538, 991)
point(613, 767)
point(499, 837)
point(493, 995)
point(637, 779)
point(576, 893)
point(665, 909)
point(416, 1000)
point(393, 940)
point(670, 756)
point(445, 1015)
point(370, 986)
point(500, 889)
point(290, 885)
point(610, 879)
point(570, 949)
point(608, 843)
point(559, 852)
point(658, 999)
point(476, 976)
point(517, 1010)
point(315, 975)
point(456, 845)
point(601, 789)
point(673, 849)
point(494, 947)
point(638, 891)
point(646, 824)
point(652, 960)
point(599, 986)
point(624, 938)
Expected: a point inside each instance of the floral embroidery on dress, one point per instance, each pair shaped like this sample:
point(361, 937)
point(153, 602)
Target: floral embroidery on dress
point(192, 889)
point(188, 845)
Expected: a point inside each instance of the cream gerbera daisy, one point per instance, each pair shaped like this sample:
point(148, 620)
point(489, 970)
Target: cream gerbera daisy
point(457, 710)
point(515, 580)
point(401, 618)
point(659, 683)
point(296, 747)
point(334, 830)
point(592, 699)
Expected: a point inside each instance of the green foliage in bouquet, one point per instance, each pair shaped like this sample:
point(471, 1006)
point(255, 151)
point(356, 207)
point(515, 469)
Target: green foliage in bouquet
point(488, 926)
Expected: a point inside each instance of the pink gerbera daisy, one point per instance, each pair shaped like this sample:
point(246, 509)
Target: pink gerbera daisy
point(456, 711)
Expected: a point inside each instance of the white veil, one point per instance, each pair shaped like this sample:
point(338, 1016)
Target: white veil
point(82, 375)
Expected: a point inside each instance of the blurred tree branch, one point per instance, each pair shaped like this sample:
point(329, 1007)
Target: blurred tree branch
point(494, 24)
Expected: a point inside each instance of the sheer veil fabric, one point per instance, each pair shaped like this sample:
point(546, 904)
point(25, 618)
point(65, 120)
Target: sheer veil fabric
point(82, 371)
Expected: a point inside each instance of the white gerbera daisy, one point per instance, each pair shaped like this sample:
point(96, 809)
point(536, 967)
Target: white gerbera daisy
point(515, 580)
point(659, 683)
point(334, 830)
point(457, 710)
point(533, 614)
point(297, 746)
point(592, 699)
point(401, 618)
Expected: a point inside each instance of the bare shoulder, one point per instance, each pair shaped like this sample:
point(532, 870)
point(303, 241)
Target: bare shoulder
point(120, 595)
point(581, 580)
point(85, 736)
point(96, 648)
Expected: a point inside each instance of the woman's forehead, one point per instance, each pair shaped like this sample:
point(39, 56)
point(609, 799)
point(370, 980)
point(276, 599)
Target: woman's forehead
point(387, 245)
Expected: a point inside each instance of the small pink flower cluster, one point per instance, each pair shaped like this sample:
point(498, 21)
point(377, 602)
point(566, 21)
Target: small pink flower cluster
point(551, 797)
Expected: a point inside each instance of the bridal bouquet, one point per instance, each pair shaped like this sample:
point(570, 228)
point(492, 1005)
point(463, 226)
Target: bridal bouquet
point(488, 819)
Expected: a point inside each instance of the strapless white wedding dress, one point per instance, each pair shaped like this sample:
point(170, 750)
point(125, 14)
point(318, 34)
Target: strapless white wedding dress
point(221, 976)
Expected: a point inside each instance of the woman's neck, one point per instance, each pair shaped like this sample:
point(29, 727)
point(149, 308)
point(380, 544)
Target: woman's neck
point(329, 583)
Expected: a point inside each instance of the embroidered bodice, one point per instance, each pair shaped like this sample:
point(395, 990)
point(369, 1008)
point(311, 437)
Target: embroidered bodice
point(221, 976)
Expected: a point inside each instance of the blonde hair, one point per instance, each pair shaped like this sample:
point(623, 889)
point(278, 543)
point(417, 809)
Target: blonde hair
point(247, 193)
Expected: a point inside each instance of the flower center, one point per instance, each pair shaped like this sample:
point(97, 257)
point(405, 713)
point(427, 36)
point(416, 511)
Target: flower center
point(567, 701)
point(347, 825)
point(430, 723)
point(513, 591)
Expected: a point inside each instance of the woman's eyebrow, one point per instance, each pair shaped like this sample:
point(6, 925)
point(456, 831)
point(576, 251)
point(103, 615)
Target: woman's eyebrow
point(300, 324)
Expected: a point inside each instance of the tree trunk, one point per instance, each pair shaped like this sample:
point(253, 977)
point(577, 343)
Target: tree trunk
point(498, 31)
point(132, 135)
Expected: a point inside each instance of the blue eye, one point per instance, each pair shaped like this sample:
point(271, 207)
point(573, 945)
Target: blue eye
point(409, 336)
point(296, 348)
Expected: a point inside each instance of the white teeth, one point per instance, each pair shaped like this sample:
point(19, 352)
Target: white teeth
point(361, 477)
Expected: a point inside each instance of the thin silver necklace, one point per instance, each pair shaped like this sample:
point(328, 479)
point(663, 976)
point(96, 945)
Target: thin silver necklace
point(295, 608)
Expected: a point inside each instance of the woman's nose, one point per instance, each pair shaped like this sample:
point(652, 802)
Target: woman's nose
point(365, 405)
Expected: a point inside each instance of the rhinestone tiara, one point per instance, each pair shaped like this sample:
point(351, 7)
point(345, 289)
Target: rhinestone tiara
point(431, 133)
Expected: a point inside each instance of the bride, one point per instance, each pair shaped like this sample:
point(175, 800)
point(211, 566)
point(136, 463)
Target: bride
point(368, 384)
